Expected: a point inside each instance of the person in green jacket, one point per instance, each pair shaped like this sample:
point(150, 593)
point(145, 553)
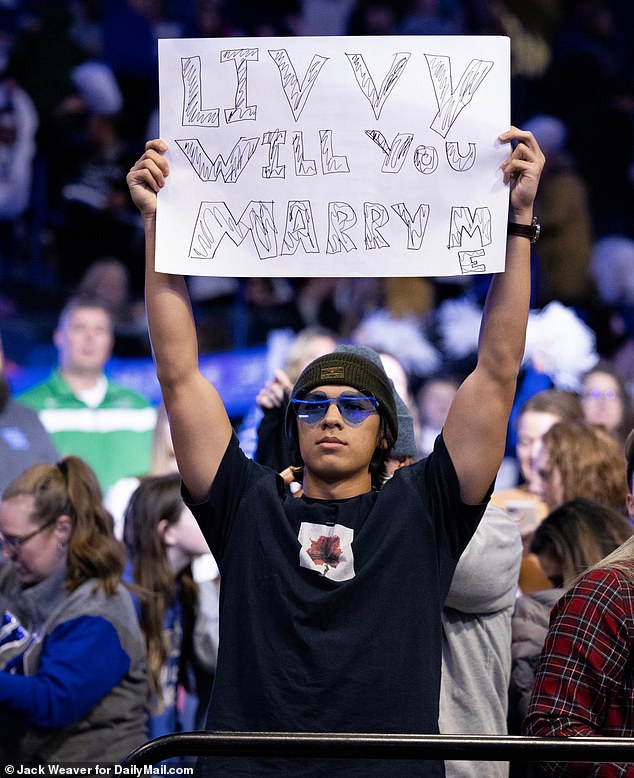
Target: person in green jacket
point(86, 413)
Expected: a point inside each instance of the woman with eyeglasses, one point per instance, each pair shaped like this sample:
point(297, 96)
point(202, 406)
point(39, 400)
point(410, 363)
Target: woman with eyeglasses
point(606, 401)
point(72, 659)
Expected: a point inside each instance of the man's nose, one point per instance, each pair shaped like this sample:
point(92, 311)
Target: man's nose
point(333, 416)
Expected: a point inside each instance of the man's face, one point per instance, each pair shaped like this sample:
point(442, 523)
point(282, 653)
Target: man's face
point(84, 340)
point(334, 449)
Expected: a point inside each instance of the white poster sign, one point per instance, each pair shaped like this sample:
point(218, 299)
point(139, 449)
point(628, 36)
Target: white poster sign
point(334, 156)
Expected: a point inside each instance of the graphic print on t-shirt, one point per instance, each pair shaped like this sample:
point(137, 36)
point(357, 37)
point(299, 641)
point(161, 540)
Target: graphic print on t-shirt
point(327, 549)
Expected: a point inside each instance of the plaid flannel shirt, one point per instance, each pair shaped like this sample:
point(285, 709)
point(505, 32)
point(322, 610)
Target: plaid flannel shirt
point(584, 683)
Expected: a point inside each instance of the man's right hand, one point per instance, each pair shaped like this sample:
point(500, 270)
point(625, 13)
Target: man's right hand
point(147, 177)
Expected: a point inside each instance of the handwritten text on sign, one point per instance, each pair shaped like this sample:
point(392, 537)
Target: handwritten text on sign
point(333, 156)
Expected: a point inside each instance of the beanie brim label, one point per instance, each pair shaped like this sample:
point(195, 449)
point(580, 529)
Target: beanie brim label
point(332, 373)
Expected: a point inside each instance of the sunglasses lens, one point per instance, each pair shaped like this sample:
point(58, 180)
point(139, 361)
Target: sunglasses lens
point(311, 411)
point(356, 409)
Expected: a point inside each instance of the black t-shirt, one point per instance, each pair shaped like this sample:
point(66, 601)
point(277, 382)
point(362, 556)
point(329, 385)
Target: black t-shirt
point(330, 609)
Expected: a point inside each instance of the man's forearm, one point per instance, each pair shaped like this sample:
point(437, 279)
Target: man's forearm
point(170, 319)
point(503, 329)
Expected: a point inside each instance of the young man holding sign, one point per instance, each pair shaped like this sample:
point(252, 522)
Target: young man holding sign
point(331, 603)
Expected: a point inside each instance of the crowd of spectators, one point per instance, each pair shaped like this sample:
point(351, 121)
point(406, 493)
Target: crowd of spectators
point(78, 98)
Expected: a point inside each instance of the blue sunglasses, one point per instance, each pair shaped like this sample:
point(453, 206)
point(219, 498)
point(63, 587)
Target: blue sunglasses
point(354, 408)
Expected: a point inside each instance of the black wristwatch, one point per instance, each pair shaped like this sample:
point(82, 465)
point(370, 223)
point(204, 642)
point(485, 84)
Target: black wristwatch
point(530, 231)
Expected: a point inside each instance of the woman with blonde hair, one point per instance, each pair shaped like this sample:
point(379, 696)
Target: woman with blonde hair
point(577, 459)
point(72, 678)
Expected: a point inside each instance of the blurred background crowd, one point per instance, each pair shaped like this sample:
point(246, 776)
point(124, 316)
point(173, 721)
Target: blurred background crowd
point(78, 98)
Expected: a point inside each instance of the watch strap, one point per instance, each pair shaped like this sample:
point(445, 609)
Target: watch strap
point(530, 231)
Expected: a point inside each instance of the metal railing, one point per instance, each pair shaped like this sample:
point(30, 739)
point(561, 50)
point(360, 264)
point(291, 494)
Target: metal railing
point(492, 748)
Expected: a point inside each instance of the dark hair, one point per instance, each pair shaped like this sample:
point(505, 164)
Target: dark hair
point(578, 534)
point(156, 499)
point(71, 488)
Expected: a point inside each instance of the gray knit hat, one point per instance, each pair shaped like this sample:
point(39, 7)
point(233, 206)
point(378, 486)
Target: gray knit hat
point(405, 445)
point(350, 366)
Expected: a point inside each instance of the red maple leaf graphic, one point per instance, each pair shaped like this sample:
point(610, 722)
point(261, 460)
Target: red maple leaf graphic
point(325, 550)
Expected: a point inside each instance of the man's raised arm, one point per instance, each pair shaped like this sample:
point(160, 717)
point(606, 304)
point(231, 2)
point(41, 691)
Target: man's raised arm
point(475, 429)
point(199, 423)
